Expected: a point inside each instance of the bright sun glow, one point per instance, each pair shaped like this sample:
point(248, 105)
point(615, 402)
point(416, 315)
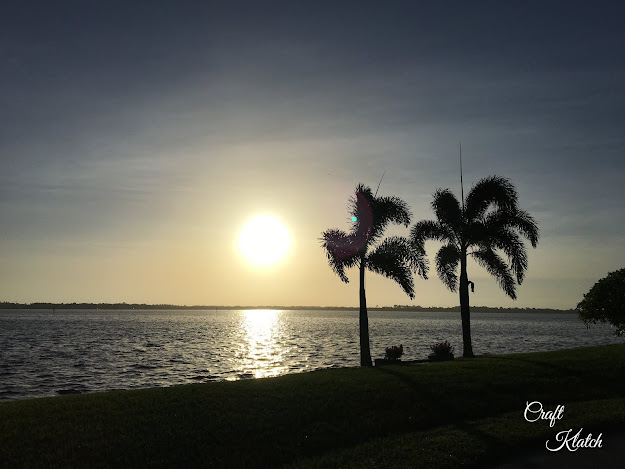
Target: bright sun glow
point(264, 240)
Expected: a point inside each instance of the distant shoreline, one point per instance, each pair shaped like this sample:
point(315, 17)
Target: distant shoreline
point(408, 308)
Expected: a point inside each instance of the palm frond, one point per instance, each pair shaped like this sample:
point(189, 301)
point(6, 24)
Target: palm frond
point(388, 210)
point(341, 250)
point(510, 243)
point(516, 219)
point(391, 210)
point(447, 209)
point(391, 258)
point(373, 214)
point(447, 259)
point(361, 211)
point(477, 232)
point(492, 190)
point(495, 266)
point(418, 260)
point(425, 230)
point(365, 190)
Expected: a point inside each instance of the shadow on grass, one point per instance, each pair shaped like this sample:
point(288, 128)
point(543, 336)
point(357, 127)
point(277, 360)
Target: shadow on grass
point(438, 415)
point(568, 374)
point(420, 393)
point(462, 398)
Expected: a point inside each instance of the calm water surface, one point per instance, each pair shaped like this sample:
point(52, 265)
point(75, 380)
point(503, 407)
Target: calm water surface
point(45, 354)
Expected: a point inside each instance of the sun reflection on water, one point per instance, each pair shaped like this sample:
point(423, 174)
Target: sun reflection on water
point(261, 349)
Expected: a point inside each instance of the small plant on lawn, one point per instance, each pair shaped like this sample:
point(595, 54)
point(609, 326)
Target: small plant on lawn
point(394, 352)
point(442, 351)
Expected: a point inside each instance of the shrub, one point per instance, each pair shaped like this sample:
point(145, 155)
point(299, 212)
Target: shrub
point(394, 352)
point(442, 351)
point(604, 302)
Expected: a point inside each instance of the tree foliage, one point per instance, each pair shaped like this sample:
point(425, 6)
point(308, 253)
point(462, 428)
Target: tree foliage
point(392, 257)
point(605, 302)
point(363, 246)
point(489, 227)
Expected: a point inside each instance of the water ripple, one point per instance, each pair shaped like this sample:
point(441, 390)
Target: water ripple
point(69, 352)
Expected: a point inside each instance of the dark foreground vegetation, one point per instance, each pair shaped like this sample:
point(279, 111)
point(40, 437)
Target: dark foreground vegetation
point(604, 302)
point(434, 415)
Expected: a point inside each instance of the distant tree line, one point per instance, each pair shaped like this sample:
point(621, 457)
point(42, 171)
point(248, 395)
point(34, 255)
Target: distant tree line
point(8, 305)
point(142, 306)
point(480, 309)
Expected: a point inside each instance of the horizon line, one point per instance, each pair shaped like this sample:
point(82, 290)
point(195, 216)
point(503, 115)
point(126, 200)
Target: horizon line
point(121, 305)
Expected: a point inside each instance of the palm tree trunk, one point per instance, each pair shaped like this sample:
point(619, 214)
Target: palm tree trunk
point(365, 351)
point(465, 311)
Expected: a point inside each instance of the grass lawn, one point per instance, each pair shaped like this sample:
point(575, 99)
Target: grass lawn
point(432, 414)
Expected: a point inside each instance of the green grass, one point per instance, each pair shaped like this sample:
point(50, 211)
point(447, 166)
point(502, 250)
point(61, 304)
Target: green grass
point(471, 443)
point(433, 414)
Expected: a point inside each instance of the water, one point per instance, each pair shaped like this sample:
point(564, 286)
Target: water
point(46, 354)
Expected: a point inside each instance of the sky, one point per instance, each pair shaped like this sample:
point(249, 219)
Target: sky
point(138, 138)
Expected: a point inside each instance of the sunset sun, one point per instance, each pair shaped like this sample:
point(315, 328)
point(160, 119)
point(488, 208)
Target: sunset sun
point(264, 240)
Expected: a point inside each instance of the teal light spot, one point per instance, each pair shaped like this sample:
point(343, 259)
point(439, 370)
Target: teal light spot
point(354, 219)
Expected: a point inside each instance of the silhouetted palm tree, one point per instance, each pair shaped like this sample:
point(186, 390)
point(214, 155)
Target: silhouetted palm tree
point(490, 221)
point(362, 246)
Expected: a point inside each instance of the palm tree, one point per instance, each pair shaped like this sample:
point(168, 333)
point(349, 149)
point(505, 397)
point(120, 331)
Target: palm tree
point(362, 246)
point(490, 221)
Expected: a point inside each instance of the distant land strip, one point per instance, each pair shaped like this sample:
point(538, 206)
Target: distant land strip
point(135, 306)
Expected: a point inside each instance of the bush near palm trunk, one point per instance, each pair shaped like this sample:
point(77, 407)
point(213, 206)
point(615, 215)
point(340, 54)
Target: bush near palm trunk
point(394, 352)
point(441, 352)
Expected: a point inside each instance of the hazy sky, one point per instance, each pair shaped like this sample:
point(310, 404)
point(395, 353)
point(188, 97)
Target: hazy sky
point(137, 138)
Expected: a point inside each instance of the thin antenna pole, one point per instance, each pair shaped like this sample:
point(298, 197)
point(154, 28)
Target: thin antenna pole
point(376, 191)
point(461, 183)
